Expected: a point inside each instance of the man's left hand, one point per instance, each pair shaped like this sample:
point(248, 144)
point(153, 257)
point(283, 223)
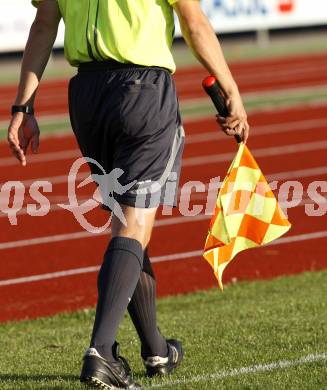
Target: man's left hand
point(23, 131)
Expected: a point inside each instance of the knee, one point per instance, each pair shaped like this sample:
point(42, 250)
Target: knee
point(138, 224)
point(144, 241)
point(132, 230)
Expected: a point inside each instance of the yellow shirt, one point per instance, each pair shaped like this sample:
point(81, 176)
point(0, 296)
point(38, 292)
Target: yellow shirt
point(129, 31)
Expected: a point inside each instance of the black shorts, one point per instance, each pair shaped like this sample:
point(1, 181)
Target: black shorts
point(127, 123)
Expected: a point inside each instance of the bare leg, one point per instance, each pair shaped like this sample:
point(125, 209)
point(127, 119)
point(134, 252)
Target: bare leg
point(139, 224)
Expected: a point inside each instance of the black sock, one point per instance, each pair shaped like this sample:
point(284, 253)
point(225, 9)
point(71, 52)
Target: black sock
point(118, 277)
point(142, 310)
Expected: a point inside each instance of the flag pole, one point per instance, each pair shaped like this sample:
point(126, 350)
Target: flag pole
point(212, 88)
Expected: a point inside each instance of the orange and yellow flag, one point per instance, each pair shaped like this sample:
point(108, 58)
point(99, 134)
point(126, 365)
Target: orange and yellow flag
point(246, 214)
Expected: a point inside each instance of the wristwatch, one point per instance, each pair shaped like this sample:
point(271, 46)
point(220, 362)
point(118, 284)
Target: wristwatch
point(25, 109)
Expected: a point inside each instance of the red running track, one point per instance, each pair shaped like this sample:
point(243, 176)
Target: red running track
point(251, 76)
point(186, 271)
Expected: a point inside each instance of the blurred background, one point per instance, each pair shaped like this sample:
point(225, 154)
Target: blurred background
point(277, 51)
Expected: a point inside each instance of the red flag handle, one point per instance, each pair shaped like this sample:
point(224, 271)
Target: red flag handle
point(212, 88)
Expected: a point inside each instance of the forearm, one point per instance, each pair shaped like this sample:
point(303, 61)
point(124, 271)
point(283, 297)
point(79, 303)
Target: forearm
point(36, 56)
point(202, 39)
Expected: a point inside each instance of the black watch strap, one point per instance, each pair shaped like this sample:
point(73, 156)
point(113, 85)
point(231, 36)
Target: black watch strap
point(25, 109)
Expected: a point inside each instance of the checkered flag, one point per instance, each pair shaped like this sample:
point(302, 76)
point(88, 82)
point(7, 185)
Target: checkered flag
point(246, 214)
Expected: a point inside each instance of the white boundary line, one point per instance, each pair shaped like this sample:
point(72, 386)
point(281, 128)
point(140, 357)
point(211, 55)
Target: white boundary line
point(298, 174)
point(260, 130)
point(251, 68)
point(52, 275)
point(281, 364)
point(259, 152)
point(290, 91)
point(42, 120)
point(44, 157)
point(274, 73)
point(156, 259)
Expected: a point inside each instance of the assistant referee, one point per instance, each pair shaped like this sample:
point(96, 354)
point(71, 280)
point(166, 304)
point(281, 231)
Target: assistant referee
point(125, 115)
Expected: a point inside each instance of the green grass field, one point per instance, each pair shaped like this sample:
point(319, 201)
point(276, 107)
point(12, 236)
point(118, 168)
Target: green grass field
point(250, 324)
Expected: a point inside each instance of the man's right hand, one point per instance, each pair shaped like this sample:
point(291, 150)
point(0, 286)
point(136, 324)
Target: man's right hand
point(23, 131)
point(236, 122)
